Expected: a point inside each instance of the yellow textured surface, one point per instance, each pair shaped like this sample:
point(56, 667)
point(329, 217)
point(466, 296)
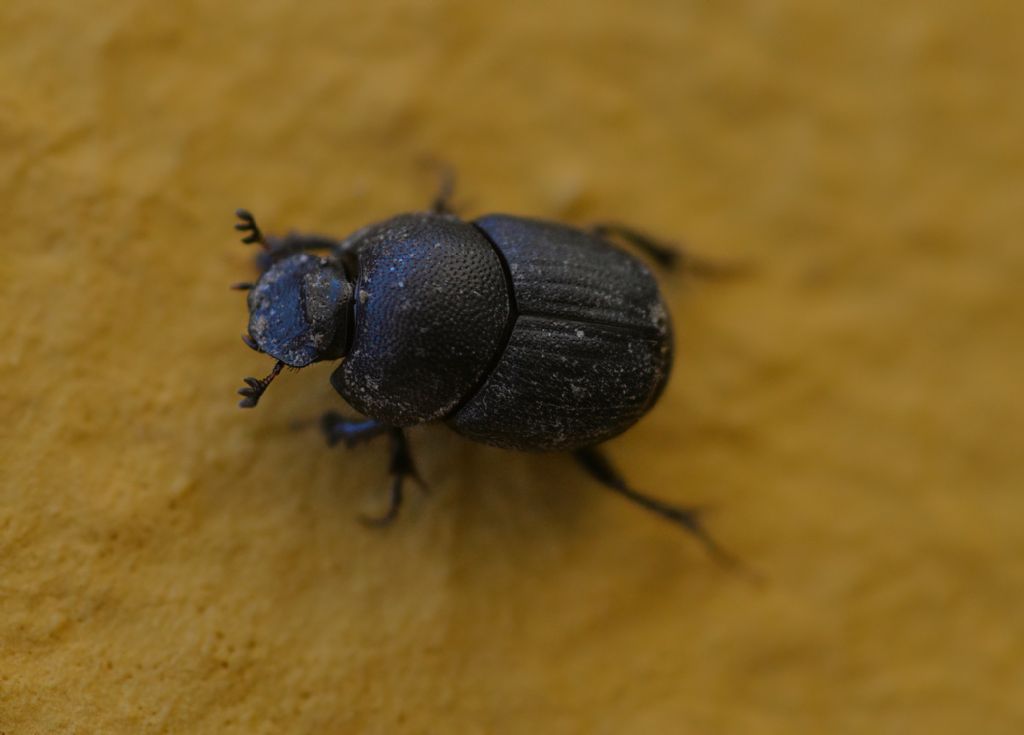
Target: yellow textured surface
point(853, 410)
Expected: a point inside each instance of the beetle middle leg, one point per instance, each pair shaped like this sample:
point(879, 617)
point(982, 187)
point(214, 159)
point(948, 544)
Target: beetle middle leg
point(599, 467)
point(664, 254)
point(356, 431)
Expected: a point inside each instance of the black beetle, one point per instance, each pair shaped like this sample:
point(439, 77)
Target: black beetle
point(515, 332)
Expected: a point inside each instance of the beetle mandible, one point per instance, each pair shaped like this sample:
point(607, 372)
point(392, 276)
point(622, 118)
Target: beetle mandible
point(519, 333)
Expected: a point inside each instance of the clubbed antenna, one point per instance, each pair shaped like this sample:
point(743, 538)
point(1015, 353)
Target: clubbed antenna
point(256, 387)
point(248, 225)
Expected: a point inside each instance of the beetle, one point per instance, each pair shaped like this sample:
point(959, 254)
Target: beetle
point(520, 333)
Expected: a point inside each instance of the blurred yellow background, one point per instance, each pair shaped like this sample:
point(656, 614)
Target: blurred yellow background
point(852, 411)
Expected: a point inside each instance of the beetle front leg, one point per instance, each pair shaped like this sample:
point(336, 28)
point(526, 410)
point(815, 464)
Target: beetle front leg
point(598, 466)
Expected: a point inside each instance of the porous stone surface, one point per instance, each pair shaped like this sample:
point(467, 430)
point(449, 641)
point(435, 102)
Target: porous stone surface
point(851, 409)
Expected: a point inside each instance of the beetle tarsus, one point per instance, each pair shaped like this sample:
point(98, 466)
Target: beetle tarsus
point(598, 466)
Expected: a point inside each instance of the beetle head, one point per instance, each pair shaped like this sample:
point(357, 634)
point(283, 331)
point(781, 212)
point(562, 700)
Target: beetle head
point(299, 313)
point(299, 310)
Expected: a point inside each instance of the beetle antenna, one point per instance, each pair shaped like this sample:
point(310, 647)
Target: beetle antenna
point(248, 225)
point(242, 286)
point(251, 343)
point(256, 387)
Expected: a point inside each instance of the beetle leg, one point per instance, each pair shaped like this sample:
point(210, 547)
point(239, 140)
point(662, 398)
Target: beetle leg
point(664, 254)
point(355, 431)
point(394, 503)
point(400, 467)
point(598, 466)
point(337, 428)
point(442, 201)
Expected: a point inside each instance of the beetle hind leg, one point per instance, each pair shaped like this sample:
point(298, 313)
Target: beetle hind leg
point(599, 467)
point(352, 432)
point(442, 201)
point(666, 255)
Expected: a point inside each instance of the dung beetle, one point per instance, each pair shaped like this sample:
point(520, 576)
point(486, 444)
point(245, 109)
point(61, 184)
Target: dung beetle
point(519, 333)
